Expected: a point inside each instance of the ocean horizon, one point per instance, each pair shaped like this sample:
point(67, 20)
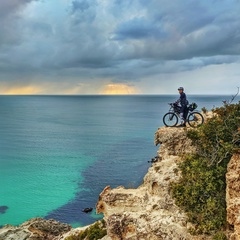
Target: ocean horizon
point(58, 152)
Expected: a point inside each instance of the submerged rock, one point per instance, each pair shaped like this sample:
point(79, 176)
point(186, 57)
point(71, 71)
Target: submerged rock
point(3, 209)
point(87, 210)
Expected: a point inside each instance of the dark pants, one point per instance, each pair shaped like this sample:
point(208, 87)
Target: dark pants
point(184, 113)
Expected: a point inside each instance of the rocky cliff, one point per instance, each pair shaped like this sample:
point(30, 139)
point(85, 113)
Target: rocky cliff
point(35, 229)
point(149, 212)
point(233, 196)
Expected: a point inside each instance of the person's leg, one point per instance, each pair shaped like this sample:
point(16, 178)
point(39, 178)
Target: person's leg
point(183, 115)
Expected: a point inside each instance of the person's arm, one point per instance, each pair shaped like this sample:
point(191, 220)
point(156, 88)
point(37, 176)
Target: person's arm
point(178, 101)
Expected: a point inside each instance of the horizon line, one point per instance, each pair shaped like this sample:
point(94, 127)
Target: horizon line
point(135, 94)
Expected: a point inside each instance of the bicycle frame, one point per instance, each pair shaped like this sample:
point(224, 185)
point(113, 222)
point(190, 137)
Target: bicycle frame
point(174, 109)
point(194, 117)
point(177, 109)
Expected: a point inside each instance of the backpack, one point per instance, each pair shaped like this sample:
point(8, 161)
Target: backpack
point(192, 106)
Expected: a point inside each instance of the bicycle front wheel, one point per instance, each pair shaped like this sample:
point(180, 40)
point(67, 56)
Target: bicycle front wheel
point(195, 119)
point(170, 119)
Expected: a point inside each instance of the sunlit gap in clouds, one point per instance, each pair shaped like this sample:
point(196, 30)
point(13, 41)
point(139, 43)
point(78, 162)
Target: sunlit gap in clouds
point(119, 88)
point(69, 89)
point(24, 90)
point(40, 89)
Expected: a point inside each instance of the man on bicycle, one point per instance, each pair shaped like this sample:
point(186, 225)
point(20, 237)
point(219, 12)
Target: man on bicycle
point(183, 104)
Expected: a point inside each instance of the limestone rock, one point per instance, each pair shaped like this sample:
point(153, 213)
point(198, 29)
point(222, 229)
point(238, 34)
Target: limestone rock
point(35, 229)
point(233, 195)
point(173, 141)
point(149, 212)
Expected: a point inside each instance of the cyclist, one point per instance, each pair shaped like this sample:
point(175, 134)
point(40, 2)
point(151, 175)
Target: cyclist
point(183, 104)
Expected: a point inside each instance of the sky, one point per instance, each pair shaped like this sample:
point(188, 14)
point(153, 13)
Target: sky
point(119, 46)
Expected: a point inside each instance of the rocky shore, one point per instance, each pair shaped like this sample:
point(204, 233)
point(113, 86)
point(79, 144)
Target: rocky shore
point(35, 229)
point(148, 212)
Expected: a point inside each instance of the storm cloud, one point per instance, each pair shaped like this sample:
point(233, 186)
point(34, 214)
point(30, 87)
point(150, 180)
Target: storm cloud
point(93, 43)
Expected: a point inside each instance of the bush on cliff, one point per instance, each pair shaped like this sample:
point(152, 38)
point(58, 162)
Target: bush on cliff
point(201, 189)
point(94, 232)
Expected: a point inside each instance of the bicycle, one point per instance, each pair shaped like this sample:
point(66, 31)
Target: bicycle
point(194, 118)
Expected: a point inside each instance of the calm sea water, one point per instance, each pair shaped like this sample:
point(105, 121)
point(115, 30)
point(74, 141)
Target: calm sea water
point(57, 153)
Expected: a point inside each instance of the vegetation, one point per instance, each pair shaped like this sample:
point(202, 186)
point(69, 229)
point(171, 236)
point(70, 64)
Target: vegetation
point(204, 110)
point(201, 189)
point(94, 232)
point(219, 236)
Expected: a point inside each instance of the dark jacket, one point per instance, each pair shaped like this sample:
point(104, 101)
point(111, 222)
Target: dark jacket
point(183, 100)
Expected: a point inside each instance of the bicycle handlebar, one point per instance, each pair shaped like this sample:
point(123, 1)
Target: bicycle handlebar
point(172, 104)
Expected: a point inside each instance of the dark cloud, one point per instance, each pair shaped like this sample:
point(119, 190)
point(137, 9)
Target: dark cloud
point(182, 31)
point(83, 11)
point(10, 7)
point(9, 17)
point(80, 6)
point(118, 40)
point(138, 28)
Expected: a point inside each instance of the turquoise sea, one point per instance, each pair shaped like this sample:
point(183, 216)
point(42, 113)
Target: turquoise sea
point(57, 153)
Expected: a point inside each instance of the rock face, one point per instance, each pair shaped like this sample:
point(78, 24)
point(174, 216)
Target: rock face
point(174, 142)
point(233, 195)
point(149, 212)
point(35, 229)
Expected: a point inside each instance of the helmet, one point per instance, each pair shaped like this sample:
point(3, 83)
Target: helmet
point(181, 88)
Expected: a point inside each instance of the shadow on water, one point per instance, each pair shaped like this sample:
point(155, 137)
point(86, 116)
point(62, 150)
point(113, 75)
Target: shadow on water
point(113, 171)
point(3, 209)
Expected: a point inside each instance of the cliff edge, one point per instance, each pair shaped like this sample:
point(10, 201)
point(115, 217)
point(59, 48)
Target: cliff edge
point(149, 212)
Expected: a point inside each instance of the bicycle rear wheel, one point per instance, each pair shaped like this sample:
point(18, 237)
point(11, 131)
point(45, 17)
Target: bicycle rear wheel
point(195, 119)
point(170, 119)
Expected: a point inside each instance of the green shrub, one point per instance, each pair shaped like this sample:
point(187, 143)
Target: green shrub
point(202, 188)
point(94, 232)
point(201, 193)
point(219, 236)
point(204, 110)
